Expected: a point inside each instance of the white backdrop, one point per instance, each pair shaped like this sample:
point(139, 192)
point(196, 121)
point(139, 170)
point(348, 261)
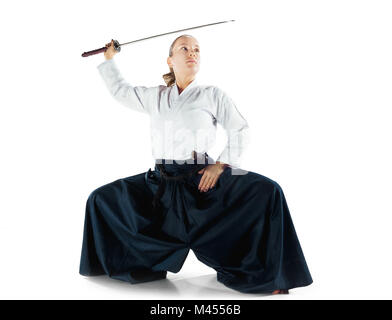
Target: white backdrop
point(313, 79)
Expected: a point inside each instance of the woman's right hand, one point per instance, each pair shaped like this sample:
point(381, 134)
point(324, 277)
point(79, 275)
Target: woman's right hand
point(110, 51)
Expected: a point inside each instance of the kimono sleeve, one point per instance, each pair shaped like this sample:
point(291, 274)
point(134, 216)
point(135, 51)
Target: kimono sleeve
point(138, 98)
point(236, 127)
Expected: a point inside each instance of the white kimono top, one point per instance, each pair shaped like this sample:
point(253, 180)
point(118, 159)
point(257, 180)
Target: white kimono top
point(181, 123)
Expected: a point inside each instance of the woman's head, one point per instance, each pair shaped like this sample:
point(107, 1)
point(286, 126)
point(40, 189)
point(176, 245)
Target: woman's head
point(183, 49)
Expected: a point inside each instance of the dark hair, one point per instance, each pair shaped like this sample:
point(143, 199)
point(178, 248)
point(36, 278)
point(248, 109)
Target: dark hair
point(170, 78)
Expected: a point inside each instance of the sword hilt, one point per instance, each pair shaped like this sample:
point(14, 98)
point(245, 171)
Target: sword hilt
point(117, 47)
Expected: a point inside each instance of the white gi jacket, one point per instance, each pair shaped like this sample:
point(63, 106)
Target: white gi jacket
point(181, 123)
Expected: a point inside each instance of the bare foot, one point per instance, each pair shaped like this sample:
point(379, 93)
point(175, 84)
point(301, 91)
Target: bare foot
point(281, 291)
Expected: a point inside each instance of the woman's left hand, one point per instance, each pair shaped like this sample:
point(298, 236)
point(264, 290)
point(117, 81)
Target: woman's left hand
point(210, 176)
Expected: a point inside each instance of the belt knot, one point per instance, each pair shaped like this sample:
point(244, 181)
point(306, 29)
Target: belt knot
point(165, 176)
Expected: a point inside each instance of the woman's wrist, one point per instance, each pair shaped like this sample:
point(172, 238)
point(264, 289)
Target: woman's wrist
point(222, 164)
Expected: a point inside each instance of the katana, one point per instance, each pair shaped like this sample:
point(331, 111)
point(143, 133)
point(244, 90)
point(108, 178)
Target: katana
point(117, 45)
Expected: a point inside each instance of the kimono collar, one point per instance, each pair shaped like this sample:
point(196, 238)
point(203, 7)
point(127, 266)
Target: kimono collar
point(191, 85)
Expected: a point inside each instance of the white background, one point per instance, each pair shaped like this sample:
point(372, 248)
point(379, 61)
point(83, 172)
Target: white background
point(313, 79)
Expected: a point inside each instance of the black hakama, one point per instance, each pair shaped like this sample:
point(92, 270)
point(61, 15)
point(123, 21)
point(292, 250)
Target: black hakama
point(241, 228)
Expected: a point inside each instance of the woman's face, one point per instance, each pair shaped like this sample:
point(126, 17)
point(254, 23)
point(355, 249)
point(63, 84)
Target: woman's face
point(185, 60)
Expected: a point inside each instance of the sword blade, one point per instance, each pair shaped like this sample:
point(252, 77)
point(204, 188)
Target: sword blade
point(162, 34)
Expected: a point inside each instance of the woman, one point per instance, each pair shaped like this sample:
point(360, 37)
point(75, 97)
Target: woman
point(237, 222)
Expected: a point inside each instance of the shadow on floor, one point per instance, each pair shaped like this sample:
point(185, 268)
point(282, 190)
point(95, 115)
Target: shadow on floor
point(204, 286)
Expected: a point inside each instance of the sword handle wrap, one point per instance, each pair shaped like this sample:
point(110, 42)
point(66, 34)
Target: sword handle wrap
point(103, 49)
point(96, 51)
